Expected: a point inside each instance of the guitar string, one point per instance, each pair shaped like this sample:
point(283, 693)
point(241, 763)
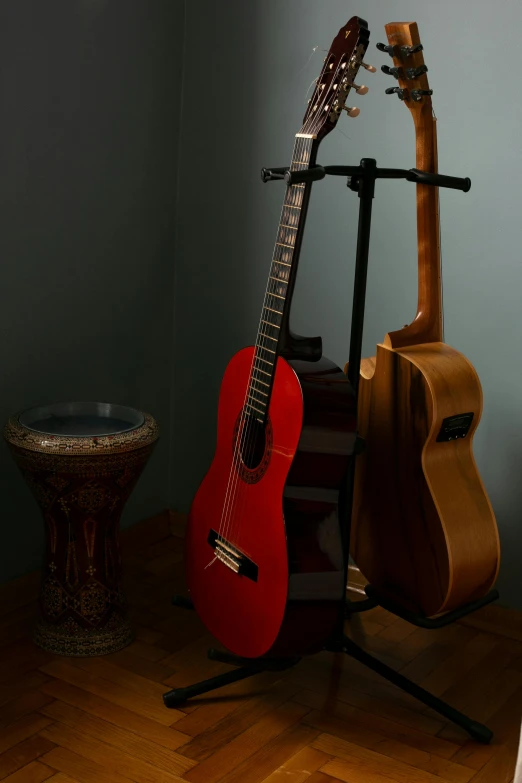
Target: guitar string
point(300, 147)
point(244, 431)
point(270, 293)
point(302, 150)
point(242, 434)
point(245, 438)
point(299, 150)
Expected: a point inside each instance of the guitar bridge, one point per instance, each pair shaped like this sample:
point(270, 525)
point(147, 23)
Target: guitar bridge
point(232, 557)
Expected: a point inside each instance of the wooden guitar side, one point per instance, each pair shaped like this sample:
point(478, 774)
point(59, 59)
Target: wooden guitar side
point(424, 531)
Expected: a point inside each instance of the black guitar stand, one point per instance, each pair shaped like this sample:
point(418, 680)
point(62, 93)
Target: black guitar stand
point(362, 180)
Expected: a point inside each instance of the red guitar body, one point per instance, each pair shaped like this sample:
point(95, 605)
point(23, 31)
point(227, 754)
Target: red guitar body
point(280, 517)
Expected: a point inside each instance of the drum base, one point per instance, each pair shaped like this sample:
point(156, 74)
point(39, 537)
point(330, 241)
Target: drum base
point(72, 640)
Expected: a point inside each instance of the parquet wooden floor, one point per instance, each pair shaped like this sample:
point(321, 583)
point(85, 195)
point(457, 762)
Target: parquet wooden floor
point(102, 720)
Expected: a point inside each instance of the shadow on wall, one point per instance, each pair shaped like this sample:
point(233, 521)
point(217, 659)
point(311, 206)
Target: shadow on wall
point(90, 95)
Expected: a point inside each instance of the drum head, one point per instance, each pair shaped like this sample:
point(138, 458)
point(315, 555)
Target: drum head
point(81, 419)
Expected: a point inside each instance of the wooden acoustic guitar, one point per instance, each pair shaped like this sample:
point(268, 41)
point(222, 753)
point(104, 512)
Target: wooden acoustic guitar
point(423, 530)
point(264, 558)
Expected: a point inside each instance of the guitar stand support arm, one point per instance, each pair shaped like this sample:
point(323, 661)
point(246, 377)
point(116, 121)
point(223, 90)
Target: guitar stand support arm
point(362, 180)
point(315, 173)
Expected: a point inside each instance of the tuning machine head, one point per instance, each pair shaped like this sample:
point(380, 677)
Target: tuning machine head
point(396, 91)
point(414, 73)
point(395, 72)
point(417, 94)
point(399, 51)
point(370, 68)
point(389, 49)
point(352, 111)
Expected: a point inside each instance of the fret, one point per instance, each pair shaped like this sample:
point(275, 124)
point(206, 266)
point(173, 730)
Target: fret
point(249, 404)
point(256, 380)
point(269, 336)
point(275, 261)
point(258, 369)
point(260, 359)
point(304, 162)
point(270, 324)
point(283, 245)
point(283, 225)
point(280, 312)
point(258, 391)
point(263, 403)
point(263, 348)
point(276, 295)
point(279, 279)
point(292, 206)
point(285, 235)
point(259, 401)
point(276, 323)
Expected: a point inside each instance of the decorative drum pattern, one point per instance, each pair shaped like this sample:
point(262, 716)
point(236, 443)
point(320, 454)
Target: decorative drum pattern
point(81, 462)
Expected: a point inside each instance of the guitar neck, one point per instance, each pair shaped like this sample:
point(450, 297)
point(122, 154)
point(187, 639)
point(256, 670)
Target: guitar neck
point(281, 281)
point(427, 324)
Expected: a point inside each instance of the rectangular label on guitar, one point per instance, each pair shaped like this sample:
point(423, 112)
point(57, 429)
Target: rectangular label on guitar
point(455, 427)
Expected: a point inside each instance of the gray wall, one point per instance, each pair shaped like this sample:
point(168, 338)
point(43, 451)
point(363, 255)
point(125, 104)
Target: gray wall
point(247, 69)
point(90, 98)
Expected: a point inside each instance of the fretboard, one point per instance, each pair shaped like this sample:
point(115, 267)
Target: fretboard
point(279, 287)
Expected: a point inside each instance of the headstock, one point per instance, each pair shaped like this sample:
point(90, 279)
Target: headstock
point(408, 68)
point(337, 79)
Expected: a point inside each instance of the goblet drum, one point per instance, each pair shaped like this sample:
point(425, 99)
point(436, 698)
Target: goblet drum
point(81, 461)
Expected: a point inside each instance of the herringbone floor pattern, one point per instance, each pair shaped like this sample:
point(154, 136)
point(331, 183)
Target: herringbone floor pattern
point(102, 720)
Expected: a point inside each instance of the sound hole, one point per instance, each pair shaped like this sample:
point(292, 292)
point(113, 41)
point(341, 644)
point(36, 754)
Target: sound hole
point(252, 442)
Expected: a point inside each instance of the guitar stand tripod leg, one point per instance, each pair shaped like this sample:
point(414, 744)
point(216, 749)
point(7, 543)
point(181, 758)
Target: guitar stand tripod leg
point(247, 668)
point(476, 730)
point(179, 696)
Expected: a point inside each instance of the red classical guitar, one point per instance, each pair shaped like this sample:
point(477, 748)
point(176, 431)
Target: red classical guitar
point(264, 558)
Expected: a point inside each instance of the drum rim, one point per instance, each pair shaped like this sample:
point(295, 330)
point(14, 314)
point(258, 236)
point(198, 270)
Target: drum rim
point(52, 447)
point(102, 409)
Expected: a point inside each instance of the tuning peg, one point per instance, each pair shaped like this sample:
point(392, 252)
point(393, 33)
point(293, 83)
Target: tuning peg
point(352, 111)
point(362, 90)
point(396, 72)
point(414, 73)
point(397, 51)
point(417, 94)
point(398, 90)
point(384, 48)
point(370, 68)
point(407, 50)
